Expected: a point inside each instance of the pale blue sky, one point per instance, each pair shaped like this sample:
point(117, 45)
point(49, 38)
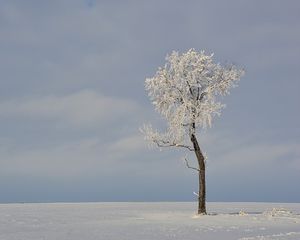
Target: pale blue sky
point(72, 99)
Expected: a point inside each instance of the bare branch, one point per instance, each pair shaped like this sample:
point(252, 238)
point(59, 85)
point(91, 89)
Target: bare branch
point(188, 166)
point(198, 93)
point(202, 95)
point(168, 144)
point(190, 89)
point(185, 146)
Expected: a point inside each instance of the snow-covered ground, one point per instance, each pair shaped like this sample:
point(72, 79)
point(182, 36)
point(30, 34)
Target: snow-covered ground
point(151, 221)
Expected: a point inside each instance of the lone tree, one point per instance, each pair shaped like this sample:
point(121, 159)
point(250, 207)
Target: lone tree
point(185, 92)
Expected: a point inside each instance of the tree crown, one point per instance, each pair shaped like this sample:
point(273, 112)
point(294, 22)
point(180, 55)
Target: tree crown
point(185, 92)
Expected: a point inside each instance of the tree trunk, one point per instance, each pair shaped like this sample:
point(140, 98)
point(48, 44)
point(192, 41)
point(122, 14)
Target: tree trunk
point(201, 164)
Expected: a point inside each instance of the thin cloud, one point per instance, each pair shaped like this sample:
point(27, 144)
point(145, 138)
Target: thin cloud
point(84, 108)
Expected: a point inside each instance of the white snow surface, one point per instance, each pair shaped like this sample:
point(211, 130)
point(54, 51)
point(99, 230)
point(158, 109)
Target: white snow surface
point(149, 221)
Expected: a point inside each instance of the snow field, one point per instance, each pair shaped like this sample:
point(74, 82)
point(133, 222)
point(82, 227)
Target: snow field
point(149, 221)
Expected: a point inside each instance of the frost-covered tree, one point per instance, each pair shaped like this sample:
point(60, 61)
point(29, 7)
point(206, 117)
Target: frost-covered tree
point(185, 92)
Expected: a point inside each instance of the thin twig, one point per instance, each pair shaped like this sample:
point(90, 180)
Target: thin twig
point(188, 166)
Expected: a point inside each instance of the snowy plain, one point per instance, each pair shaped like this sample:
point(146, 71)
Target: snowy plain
point(149, 221)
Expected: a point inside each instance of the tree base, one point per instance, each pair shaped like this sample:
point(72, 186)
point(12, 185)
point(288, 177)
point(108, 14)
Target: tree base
point(202, 213)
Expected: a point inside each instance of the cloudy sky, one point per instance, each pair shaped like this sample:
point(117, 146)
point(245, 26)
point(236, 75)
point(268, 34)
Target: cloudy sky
point(72, 99)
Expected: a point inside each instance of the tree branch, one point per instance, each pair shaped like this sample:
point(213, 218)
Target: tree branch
point(188, 166)
point(190, 89)
point(168, 144)
point(202, 95)
point(185, 146)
